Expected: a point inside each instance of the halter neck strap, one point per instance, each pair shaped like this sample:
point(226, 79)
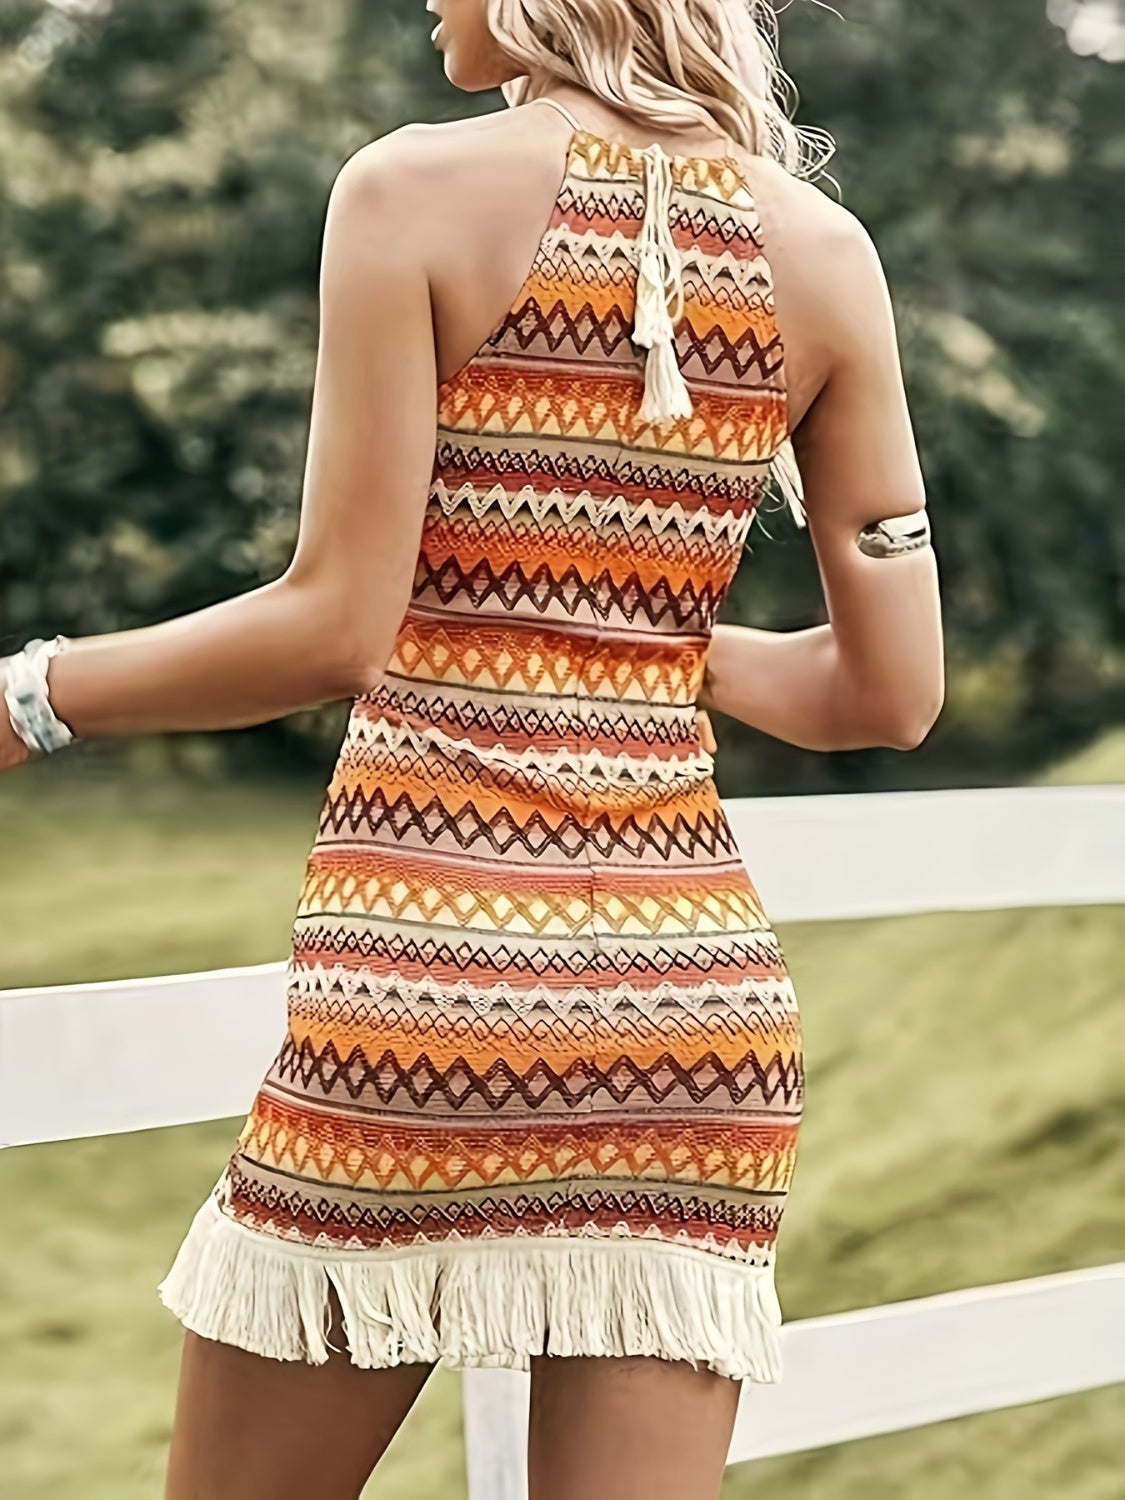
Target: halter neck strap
point(576, 124)
point(562, 109)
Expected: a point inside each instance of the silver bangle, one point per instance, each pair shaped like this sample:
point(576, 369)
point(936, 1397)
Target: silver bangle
point(27, 696)
point(895, 535)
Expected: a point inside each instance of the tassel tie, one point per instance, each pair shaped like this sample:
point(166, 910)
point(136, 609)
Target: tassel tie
point(660, 303)
point(660, 296)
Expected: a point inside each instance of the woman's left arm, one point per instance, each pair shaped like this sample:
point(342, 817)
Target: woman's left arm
point(874, 674)
point(325, 628)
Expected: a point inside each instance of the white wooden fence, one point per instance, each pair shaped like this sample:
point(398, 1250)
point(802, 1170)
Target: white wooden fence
point(92, 1059)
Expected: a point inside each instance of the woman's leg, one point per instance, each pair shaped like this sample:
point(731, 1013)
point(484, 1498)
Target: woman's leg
point(624, 1428)
point(249, 1428)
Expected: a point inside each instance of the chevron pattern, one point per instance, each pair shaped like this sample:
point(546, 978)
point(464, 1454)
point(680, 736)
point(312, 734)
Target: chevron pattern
point(532, 991)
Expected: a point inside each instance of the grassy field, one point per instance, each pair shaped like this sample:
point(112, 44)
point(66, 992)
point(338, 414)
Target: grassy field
point(964, 1124)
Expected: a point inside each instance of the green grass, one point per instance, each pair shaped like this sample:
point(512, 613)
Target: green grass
point(964, 1122)
point(1103, 760)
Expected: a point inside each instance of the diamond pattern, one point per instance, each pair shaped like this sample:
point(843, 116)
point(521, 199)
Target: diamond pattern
point(533, 992)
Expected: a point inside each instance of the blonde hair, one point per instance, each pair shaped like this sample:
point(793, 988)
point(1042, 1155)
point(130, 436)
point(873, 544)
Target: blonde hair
point(666, 62)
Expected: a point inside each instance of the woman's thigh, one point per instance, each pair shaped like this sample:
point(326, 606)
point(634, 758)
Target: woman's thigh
point(250, 1428)
point(623, 1428)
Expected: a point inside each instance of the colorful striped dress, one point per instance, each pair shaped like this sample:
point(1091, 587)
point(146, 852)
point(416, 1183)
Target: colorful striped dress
point(542, 1077)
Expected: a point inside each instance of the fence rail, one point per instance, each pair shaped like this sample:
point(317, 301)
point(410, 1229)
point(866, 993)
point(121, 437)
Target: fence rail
point(93, 1059)
point(130, 1054)
point(877, 1369)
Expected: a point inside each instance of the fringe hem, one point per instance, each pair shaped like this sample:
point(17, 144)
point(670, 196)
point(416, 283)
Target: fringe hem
point(473, 1304)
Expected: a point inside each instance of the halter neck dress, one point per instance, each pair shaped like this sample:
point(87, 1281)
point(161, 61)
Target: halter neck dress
point(542, 1078)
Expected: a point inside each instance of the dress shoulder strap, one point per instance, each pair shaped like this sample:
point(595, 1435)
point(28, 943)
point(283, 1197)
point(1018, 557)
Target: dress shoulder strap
point(562, 109)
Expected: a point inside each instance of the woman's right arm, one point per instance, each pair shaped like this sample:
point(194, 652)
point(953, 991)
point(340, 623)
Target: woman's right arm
point(324, 629)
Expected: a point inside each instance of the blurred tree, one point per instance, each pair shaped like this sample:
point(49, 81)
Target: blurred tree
point(164, 168)
point(985, 158)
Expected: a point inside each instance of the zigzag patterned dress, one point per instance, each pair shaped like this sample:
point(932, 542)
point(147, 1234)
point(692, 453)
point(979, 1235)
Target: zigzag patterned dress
point(542, 1079)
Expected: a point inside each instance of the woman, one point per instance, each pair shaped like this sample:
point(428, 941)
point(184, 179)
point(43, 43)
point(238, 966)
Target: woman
point(538, 1099)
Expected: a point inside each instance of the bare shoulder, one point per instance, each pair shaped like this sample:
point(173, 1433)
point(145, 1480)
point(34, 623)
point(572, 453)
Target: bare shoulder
point(379, 221)
point(832, 291)
point(385, 206)
point(447, 200)
point(382, 177)
point(822, 239)
point(416, 168)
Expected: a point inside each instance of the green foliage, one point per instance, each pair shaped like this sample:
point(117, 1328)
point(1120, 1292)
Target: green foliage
point(985, 159)
point(164, 170)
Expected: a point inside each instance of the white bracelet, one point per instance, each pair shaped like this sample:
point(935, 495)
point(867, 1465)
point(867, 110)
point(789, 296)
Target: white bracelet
point(26, 694)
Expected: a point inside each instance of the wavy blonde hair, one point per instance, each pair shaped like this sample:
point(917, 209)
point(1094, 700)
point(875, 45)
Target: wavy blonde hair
point(666, 62)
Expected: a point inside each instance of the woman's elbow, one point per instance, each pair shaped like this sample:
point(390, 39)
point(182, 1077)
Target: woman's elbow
point(910, 726)
point(342, 657)
point(352, 669)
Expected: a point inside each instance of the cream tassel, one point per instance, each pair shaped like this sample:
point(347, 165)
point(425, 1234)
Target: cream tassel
point(478, 1303)
point(788, 475)
point(660, 296)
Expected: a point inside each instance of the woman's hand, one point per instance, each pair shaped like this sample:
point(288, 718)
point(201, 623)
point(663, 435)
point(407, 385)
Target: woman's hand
point(705, 698)
point(703, 702)
point(13, 751)
point(706, 733)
